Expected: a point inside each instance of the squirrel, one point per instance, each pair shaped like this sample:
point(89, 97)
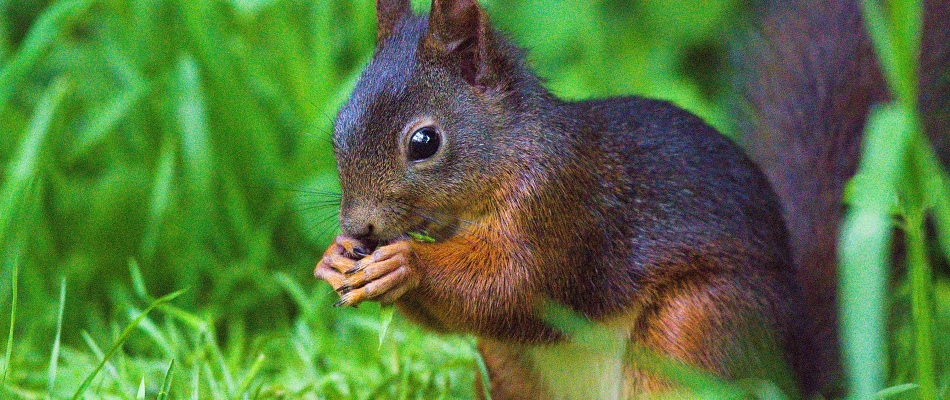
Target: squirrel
point(628, 212)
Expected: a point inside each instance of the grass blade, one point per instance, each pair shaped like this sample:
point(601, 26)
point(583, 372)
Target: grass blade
point(138, 282)
point(167, 382)
point(896, 51)
point(865, 250)
point(422, 237)
point(195, 382)
point(215, 350)
point(483, 375)
point(107, 118)
point(152, 330)
point(125, 334)
point(895, 31)
point(192, 115)
point(9, 351)
point(110, 368)
point(896, 390)
point(23, 169)
point(140, 395)
point(296, 292)
point(386, 313)
point(50, 25)
point(921, 281)
point(251, 374)
point(161, 199)
point(213, 383)
point(54, 357)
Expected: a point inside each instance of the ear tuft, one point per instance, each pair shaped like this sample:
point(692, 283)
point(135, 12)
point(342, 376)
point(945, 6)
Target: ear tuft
point(388, 15)
point(452, 23)
point(460, 30)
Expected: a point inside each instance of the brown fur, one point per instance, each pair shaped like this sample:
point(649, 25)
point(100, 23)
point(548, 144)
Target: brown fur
point(630, 213)
point(509, 372)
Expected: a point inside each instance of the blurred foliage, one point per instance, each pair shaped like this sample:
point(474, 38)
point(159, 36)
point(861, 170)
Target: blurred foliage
point(148, 146)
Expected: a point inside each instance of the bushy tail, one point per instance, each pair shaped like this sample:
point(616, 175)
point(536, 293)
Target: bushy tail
point(935, 76)
point(809, 76)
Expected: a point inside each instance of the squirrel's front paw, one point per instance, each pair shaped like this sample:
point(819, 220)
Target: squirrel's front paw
point(383, 276)
point(340, 257)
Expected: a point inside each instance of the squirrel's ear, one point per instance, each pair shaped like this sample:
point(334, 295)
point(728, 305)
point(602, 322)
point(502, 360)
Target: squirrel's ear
point(388, 14)
point(459, 28)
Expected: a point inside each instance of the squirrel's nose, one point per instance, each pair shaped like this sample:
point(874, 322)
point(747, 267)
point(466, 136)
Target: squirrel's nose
point(359, 222)
point(356, 229)
point(364, 233)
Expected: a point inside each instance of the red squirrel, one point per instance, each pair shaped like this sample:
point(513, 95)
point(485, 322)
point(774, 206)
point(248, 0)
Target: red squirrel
point(629, 212)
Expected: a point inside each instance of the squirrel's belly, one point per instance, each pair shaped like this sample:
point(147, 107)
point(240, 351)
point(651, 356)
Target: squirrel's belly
point(585, 368)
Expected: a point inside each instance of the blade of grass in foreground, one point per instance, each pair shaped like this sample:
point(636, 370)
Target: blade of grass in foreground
point(167, 382)
point(896, 43)
point(895, 31)
point(864, 250)
point(54, 357)
point(109, 367)
point(386, 313)
point(482, 373)
point(251, 375)
point(140, 395)
point(125, 334)
point(9, 351)
point(921, 281)
point(896, 390)
point(699, 383)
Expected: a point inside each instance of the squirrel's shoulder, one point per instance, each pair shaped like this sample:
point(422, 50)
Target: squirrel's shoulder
point(695, 182)
point(644, 121)
point(636, 126)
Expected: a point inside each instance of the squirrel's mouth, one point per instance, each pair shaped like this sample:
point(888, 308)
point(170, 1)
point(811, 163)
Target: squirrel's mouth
point(431, 230)
point(416, 225)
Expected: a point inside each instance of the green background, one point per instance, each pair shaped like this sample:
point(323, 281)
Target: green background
point(150, 146)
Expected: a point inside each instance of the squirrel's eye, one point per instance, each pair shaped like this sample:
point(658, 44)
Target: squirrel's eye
point(423, 143)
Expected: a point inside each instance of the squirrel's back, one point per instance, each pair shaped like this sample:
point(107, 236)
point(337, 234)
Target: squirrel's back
point(704, 237)
point(658, 144)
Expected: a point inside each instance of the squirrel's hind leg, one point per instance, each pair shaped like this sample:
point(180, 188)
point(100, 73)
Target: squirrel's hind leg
point(509, 372)
point(716, 324)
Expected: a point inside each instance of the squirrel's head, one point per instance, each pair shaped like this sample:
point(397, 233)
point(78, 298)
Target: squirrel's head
point(418, 142)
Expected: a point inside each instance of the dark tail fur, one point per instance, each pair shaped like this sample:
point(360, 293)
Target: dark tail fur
point(809, 76)
point(935, 76)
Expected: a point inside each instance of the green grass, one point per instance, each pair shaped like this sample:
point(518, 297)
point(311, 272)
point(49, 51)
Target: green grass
point(899, 182)
point(151, 146)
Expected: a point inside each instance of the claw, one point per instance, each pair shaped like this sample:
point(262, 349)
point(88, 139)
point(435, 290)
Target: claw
point(360, 251)
point(344, 289)
point(354, 270)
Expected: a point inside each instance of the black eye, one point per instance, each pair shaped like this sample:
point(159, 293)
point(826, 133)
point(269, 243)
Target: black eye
point(423, 143)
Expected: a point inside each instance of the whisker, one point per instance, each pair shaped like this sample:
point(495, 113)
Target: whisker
point(285, 187)
point(474, 224)
point(435, 221)
point(475, 233)
point(316, 203)
point(323, 193)
point(314, 211)
point(322, 227)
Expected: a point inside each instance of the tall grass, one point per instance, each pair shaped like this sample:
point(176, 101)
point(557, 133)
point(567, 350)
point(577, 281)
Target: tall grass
point(898, 184)
point(149, 146)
